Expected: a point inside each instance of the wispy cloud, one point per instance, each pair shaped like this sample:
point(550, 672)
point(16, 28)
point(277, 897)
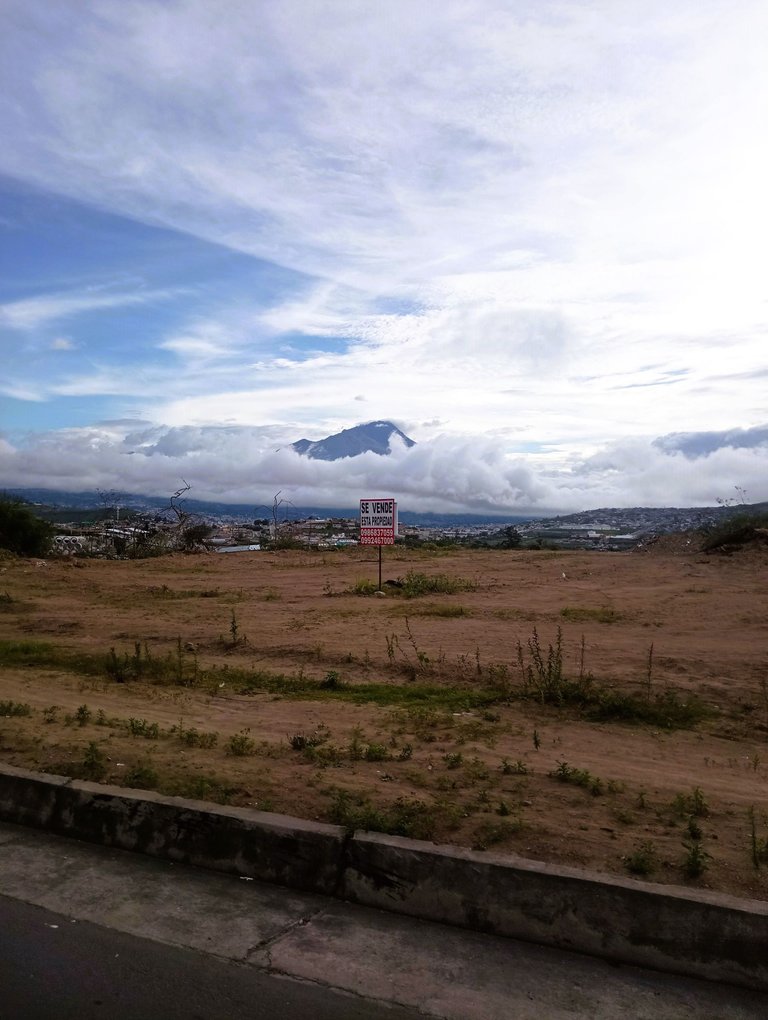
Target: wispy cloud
point(32, 313)
point(62, 343)
point(499, 219)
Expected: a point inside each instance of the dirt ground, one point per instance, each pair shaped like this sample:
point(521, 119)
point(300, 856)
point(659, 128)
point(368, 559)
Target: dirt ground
point(684, 805)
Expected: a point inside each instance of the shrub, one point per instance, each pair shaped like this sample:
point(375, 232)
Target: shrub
point(94, 765)
point(490, 832)
point(9, 708)
point(642, 860)
point(240, 744)
point(21, 531)
point(735, 530)
point(376, 752)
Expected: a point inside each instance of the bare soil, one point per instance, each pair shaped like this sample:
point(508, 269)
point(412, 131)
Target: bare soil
point(667, 619)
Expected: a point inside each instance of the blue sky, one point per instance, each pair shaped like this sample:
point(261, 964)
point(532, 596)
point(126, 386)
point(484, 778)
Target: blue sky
point(531, 234)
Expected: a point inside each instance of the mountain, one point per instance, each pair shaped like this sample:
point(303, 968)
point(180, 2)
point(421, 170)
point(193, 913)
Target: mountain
point(373, 437)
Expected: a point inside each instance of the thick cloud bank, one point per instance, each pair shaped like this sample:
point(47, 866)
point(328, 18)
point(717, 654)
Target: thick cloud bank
point(701, 444)
point(239, 464)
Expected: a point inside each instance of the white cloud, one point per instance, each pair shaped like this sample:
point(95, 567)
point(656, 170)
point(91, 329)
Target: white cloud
point(32, 313)
point(62, 343)
point(542, 224)
point(249, 465)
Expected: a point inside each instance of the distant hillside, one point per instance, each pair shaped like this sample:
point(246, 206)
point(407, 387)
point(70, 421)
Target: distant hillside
point(644, 519)
point(373, 437)
point(61, 505)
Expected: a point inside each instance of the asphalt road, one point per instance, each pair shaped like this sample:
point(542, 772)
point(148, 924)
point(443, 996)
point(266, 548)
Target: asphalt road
point(54, 968)
point(88, 932)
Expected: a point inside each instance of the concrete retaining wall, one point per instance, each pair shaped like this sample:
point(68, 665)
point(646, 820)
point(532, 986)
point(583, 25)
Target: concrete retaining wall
point(275, 848)
point(684, 931)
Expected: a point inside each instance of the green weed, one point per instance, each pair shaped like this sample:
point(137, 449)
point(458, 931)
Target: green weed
point(565, 773)
point(240, 744)
point(758, 844)
point(643, 859)
point(197, 738)
point(376, 752)
point(94, 764)
point(490, 832)
point(696, 859)
point(83, 715)
point(14, 708)
point(405, 817)
point(142, 728)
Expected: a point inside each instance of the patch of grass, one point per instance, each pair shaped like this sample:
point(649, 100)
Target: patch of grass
point(240, 744)
point(565, 773)
point(362, 586)
point(693, 804)
point(544, 680)
point(14, 708)
point(415, 584)
point(324, 755)
point(142, 777)
point(405, 817)
point(643, 859)
point(376, 752)
point(434, 609)
point(199, 788)
point(142, 728)
point(600, 614)
point(165, 592)
point(197, 738)
point(491, 832)
point(301, 741)
point(476, 770)
point(331, 681)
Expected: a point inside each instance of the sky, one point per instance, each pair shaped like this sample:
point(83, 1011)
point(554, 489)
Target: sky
point(530, 233)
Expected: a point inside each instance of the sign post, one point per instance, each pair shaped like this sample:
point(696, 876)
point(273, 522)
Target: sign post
point(378, 524)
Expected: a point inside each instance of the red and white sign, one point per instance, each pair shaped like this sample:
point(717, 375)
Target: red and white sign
point(378, 521)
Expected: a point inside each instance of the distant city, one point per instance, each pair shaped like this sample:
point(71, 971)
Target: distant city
point(111, 523)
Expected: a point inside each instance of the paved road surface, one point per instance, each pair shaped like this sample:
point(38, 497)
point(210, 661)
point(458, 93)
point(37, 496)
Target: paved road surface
point(87, 932)
point(53, 968)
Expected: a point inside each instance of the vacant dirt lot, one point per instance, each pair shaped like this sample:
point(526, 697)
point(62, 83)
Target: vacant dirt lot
point(265, 679)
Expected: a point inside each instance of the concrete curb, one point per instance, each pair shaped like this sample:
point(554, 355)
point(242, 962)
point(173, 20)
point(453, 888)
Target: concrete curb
point(705, 935)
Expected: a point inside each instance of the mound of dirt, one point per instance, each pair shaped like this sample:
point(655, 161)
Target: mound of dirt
point(676, 543)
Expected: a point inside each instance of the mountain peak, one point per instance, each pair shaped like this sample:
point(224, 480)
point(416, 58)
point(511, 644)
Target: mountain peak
point(370, 437)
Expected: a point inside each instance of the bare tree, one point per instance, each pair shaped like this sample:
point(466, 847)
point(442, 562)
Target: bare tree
point(276, 525)
point(188, 530)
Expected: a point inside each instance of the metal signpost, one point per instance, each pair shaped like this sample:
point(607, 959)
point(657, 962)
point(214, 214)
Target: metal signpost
point(378, 524)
